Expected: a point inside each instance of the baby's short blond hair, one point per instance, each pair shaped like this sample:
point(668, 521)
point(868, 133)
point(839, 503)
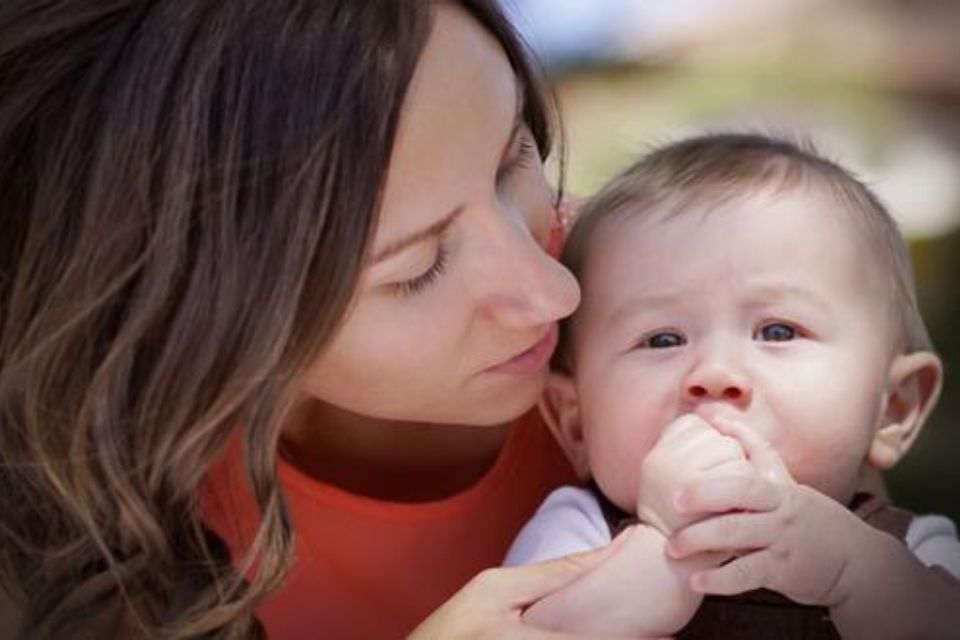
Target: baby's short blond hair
point(714, 169)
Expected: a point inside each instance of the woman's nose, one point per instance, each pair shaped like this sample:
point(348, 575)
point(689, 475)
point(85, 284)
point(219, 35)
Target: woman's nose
point(717, 381)
point(523, 285)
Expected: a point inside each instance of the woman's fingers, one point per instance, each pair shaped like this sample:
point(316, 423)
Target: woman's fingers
point(529, 633)
point(491, 605)
point(521, 586)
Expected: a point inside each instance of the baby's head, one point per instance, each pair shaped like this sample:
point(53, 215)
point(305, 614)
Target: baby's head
point(749, 277)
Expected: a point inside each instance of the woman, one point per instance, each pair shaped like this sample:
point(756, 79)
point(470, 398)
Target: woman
point(237, 233)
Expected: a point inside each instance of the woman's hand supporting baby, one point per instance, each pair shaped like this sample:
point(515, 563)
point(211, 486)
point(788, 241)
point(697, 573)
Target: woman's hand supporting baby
point(638, 590)
point(490, 605)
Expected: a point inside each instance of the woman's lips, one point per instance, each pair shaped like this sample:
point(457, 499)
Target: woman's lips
point(533, 359)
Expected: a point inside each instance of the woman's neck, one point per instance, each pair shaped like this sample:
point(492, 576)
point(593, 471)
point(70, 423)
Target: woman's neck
point(386, 460)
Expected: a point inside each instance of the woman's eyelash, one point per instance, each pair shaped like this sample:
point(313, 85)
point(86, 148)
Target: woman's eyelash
point(525, 154)
point(526, 151)
point(424, 280)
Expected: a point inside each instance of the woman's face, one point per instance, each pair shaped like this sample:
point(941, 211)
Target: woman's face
point(455, 316)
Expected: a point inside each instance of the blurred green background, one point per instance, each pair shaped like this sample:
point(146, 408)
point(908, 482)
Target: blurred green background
point(875, 84)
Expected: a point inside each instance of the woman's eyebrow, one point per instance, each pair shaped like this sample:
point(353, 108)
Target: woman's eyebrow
point(438, 227)
point(419, 236)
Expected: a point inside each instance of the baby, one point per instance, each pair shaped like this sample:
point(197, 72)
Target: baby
point(747, 358)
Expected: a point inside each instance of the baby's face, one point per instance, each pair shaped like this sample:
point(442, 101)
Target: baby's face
point(768, 309)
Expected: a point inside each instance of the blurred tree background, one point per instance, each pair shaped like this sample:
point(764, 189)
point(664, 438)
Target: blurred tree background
point(874, 83)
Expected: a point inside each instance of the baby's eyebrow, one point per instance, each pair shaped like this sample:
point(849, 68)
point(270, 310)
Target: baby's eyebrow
point(780, 291)
point(642, 304)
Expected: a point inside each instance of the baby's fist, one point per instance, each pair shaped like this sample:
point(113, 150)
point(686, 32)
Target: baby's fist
point(689, 450)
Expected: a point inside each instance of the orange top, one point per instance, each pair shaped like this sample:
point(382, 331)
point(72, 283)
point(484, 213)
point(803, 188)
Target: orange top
point(366, 568)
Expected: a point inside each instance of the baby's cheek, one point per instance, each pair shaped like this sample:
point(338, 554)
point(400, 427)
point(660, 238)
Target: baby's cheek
point(622, 425)
point(832, 469)
point(615, 460)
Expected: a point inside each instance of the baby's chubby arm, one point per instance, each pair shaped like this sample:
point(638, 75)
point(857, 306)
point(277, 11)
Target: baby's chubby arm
point(886, 592)
point(805, 545)
point(637, 591)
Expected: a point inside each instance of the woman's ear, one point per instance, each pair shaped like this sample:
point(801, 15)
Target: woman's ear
point(913, 388)
point(561, 412)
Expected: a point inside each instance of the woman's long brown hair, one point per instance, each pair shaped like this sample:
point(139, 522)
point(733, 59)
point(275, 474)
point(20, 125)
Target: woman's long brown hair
point(187, 192)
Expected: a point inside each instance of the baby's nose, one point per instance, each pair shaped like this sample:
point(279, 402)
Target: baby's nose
point(718, 382)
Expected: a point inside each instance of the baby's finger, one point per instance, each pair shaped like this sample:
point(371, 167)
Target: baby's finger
point(706, 558)
point(700, 446)
point(719, 450)
point(728, 493)
point(745, 573)
point(757, 448)
point(737, 467)
point(734, 532)
point(684, 429)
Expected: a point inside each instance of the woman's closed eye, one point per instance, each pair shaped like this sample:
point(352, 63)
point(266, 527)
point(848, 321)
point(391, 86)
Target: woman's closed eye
point(419, 283)
point(523, 157)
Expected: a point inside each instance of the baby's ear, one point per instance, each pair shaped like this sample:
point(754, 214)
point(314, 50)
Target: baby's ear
point(913, 388)
point(561, 411)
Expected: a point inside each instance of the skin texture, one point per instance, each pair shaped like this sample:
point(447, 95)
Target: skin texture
point(734, 378)
point(497, 294)
point(492, 604)
point(723, 285)
point(475, 292)
point(799, 542)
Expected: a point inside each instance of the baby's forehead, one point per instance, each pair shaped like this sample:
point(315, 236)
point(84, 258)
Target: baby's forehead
point(696, 213)
point(699, 175)
point(698, 208)
point(774, 238)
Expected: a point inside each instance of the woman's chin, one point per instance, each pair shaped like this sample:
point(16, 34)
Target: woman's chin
point(509, 401)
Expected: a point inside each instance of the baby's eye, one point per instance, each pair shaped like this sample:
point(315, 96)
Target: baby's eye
point(776, 332)
point(663, 340)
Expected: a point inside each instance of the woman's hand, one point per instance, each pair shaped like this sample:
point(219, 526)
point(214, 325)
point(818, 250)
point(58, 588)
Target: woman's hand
point(636, 592)
point(491, 605)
